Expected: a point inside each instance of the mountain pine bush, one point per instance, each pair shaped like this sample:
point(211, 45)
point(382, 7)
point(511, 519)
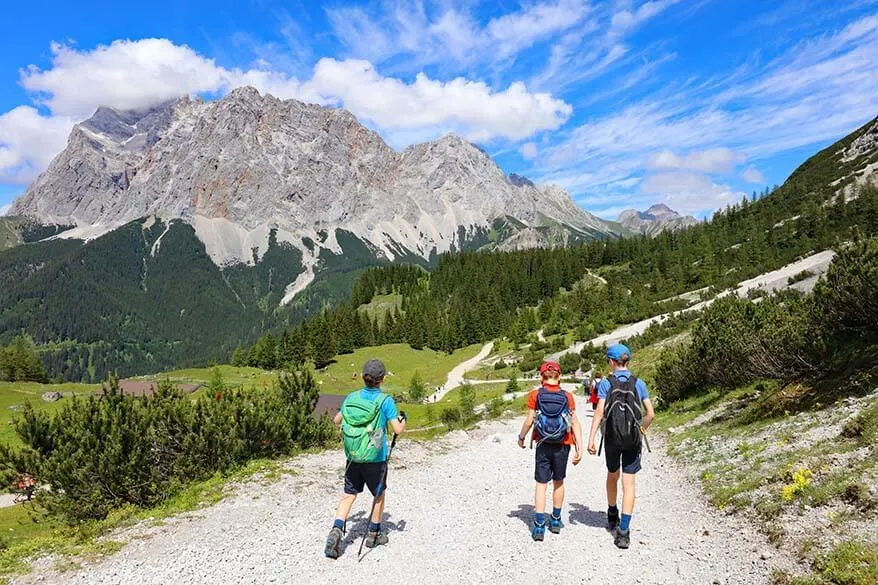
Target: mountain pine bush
point(104, 451)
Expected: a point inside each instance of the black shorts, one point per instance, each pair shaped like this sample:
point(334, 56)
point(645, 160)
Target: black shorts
point(358, 475)
point(551, 462)
point(629, 460)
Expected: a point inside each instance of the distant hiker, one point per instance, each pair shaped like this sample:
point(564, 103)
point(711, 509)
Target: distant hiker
point(363, 419)
point(552, 414)
point(593, 390)
point(622, 397)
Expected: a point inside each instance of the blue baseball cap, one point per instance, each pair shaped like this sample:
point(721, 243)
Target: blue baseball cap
point(619, 353)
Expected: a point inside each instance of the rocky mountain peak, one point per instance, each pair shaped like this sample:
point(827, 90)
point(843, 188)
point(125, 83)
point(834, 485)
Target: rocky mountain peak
point(654, 220)
point(240, 165)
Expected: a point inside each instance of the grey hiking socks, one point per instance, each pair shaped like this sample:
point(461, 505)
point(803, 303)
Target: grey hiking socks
point(332, 543)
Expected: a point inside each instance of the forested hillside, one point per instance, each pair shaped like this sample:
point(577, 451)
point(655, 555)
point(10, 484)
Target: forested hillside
point(147, 297)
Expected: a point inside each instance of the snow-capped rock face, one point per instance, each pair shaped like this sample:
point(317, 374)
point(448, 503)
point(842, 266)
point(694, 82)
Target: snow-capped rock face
point(654, 220)
point(237, 167)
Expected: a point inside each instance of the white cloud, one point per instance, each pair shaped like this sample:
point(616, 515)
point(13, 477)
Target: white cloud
point(4, 209)
point(137, 74)
point(688, 192)
point(712, 160)
point(528, 150)
point(815, 91)
point(438, 33)
point(470, 107)
point(28, 141)
point(752, 175)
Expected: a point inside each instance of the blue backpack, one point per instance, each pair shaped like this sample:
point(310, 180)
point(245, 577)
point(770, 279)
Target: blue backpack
point(553, 416)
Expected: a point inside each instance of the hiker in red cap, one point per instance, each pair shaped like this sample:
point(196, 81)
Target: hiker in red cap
point(552, 414)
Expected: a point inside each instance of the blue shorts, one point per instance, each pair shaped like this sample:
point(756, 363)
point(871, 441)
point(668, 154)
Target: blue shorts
point(629, 460)
point(358, 475)
point(551, 462)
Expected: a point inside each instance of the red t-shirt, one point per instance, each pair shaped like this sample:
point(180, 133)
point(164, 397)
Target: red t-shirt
point(532, 405)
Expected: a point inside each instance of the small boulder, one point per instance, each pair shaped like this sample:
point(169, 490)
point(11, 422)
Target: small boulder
point(52, 396)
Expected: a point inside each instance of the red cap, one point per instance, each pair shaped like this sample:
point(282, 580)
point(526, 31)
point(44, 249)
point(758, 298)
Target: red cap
point(546, 366)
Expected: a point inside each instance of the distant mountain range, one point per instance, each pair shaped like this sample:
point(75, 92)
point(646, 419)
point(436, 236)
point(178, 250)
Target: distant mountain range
point(654, 220)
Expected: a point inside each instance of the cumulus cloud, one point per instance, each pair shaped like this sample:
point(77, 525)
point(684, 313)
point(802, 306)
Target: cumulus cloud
point(752, 175)
point(713, 160)
point(137, 74)
point(528, 150)
point(689, 192)
point(28, 141)
point(4, 209)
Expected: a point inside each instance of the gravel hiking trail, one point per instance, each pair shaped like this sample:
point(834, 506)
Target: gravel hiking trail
point(459, 511)
point(455, 376)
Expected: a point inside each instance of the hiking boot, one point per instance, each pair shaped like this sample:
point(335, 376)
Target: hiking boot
point(376, 538)
point(332, 542)
point(622, 538)
point(555, 525)
point(538, 532)
point(612, 520)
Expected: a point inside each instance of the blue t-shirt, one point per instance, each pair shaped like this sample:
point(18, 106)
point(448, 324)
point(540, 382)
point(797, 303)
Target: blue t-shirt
point(388, 412)
point(621, 375)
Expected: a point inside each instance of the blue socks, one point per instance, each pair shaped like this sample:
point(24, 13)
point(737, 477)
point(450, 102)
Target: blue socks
point(556, 512)
point(625, 524)
point(374, 526)
point(338, 524)
point(539, 518)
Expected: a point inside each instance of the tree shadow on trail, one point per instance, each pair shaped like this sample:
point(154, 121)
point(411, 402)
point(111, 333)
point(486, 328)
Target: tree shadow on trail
point(525, 513)
point(584, 515)
point(358, 524)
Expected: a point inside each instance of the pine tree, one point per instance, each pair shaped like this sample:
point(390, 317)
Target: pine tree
point(512, 385)
point(416, 388)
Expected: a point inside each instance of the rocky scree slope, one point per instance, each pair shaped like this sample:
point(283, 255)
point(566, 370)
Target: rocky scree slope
point(243, 165)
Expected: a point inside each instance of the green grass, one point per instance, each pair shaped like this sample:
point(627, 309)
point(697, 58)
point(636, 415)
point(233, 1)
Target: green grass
point(382, 305)
point(848, 563)
point(13, 395)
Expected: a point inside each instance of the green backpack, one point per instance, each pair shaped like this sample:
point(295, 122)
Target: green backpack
point(361, 428)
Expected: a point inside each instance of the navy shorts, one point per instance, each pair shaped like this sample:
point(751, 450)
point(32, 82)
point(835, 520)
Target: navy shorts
point(358, 475)
point(628, 460)
point(551, 462)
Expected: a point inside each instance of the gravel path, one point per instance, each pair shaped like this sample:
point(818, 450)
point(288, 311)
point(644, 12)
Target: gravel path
point(459, 510)
point(455, 376)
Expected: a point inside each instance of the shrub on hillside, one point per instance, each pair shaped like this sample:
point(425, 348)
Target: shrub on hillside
point(102, 452)
point(570, 362)
point(846, 298)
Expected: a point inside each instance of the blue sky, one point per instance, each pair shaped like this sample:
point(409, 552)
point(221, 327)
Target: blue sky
point(622, 102)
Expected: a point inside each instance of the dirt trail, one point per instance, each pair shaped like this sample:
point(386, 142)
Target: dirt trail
point(459, 508)
point(455, 376)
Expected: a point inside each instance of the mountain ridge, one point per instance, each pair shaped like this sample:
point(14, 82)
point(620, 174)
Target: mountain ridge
point(656, 219)
point(237, 167)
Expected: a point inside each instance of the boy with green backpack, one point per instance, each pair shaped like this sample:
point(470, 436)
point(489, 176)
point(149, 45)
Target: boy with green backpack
point(363, 419)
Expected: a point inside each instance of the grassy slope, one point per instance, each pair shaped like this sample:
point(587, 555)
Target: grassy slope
point(13, 395)
point(382, 305)
point(10, 235)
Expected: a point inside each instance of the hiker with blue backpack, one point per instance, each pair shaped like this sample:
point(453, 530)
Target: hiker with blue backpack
point(363, 418)
point(552, 414)
point(622, 398)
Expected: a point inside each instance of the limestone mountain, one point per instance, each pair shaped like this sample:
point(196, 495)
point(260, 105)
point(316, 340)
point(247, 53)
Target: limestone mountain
point(239, 167)
point(654, 220)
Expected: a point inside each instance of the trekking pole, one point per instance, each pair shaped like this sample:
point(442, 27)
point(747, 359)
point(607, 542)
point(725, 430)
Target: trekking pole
point(601, 445)
point(645, 440)
point(378, 493)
